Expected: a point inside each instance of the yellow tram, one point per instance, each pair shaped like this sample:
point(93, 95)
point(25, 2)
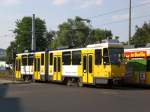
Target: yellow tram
point(95, 64)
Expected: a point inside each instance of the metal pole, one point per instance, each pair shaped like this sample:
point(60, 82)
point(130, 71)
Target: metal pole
point(106, 35)
point(130, 5)
point(14, 63)
point(33, 46)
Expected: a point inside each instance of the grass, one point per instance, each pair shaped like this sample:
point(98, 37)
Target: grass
point(6, 74)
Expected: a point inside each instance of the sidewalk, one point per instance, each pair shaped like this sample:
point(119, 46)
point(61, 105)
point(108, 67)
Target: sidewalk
point(4, 81)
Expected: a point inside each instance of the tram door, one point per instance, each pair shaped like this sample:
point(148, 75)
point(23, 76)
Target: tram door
point(37, 69)
point(88, 68)
point(57, 68)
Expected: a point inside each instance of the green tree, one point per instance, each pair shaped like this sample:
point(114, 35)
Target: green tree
point(23, 33)
point(78, 33)
point(99, 35)
point(50, 37)
point(142, 35)
point(9, 52)
point(72, 33)
point(23, 38)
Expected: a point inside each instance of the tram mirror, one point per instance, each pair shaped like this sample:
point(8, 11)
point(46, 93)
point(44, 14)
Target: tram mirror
point(105, 60)
point(104, 63)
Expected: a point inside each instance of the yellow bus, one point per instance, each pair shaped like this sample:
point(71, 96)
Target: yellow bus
point(96, 64)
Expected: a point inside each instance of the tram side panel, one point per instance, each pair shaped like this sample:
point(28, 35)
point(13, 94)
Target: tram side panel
point(71, 65)
point(57, 75)
point(30, 66)
point(50, 66)
point(65, 66)
point(18, 67)
point(108, 69)
point(101, 69)
point(43, 66)
point(40, 64)
point(37, 59)
point(88, 66)
point(54, 65)
point(24, 66)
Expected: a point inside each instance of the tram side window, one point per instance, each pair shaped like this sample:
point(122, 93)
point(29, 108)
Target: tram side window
point(90, 64)
point(66, 58)
point(148, 64)
point(42, 59)
point(98, 57)
point(84, 63)
point(105, 56)
point(38, 65)
point(35, 62)
point(76, 57)
point(19, 64)
point(59, 64)
point(24, 61)
point(30, 60)
point(51, 59)
point(16, 65)
point(55, 64)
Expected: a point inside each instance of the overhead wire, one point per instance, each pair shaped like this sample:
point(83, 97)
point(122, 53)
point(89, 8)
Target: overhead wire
point(121, 21)
point(118, 10)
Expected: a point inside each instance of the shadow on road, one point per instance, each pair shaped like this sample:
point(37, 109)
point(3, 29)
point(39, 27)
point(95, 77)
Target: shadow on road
point(120, 87)
point(131, 87)
point(113, 87)
point(8, 104)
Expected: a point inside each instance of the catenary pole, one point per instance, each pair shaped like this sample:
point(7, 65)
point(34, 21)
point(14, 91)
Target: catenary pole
point(33, 45)
point(130, 6)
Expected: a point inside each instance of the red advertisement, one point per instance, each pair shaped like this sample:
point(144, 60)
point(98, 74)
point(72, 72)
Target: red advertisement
point(136, 54)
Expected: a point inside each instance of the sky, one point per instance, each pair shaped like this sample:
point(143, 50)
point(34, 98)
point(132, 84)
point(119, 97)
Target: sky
point(55, 12)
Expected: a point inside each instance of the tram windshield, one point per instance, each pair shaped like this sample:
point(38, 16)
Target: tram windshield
point(116, 55)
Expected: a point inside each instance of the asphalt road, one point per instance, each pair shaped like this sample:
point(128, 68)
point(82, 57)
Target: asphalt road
point(38, 97)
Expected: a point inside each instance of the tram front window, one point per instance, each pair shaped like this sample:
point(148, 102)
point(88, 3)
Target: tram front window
point(116, 55)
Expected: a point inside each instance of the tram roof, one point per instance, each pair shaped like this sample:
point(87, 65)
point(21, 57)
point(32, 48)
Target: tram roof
point(27, 53)
point(137, 49)
point(103, 45)
point(92, 46)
